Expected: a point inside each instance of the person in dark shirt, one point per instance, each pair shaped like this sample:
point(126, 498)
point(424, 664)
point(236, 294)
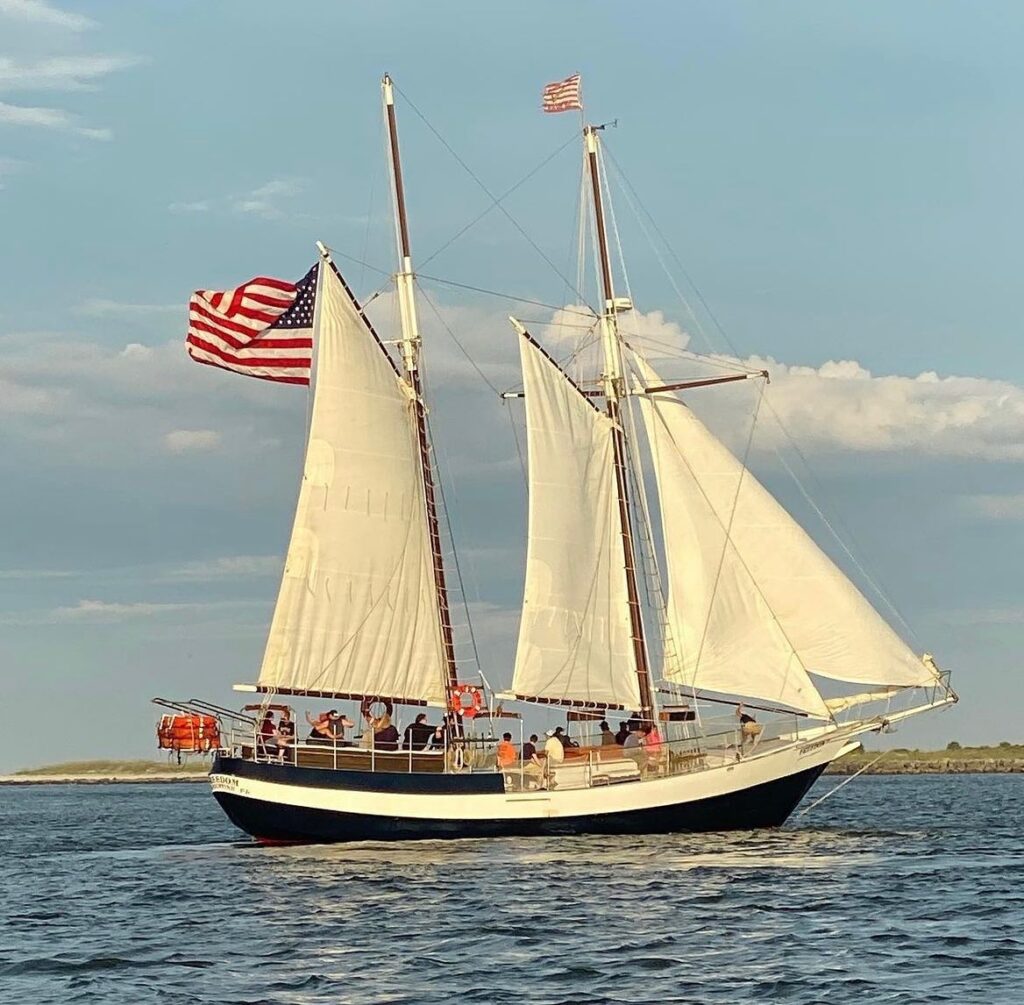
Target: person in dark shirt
point(530, 748)
point(566, 741)
point(285, 734)
point(620, 736)
point(385, 735)
point(266, 732)
point(417, 734)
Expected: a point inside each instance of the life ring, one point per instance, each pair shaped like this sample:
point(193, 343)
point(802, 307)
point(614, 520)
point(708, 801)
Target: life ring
point(459, 705)
point(367, 703)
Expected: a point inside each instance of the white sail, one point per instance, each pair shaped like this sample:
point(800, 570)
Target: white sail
point(575, 639)
point(357, 611)
point(754, 604)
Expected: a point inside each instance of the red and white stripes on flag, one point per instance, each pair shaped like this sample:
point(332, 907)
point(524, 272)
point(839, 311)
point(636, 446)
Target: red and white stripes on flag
point(562, 95)
point(263, 329)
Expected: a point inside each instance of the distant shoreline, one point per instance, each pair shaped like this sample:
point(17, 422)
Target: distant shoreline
point(1004, 758)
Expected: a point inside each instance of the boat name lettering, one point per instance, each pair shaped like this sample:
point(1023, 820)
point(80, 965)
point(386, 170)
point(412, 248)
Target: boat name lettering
point(228, 783)
point(811, 746)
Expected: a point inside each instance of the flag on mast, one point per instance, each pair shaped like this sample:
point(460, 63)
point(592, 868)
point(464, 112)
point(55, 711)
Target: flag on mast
point(562, 95)
point(262, 329)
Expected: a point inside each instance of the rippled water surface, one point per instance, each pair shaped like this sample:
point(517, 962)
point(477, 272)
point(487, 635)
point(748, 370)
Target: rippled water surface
point(897, 890)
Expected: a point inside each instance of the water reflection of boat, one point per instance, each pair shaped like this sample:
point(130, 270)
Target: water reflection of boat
point(724, 598)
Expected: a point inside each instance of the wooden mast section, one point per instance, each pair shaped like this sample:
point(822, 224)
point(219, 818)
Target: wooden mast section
point(614, 391)
point(410, 345)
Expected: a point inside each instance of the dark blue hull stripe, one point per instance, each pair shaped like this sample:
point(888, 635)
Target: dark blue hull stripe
point(765, 805)
point(404, 782)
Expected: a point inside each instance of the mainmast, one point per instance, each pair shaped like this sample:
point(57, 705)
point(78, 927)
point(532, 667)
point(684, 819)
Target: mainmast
point(615, 390)
point(410, 345)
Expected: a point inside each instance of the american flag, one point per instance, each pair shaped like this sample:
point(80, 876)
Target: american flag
point(562, 95)
point(263, 329)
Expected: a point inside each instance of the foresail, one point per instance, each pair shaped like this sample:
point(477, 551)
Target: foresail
point(357, 611)
point(754, 604)
point(575, 641)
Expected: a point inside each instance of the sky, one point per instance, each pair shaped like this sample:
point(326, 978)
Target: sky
point(836, 190)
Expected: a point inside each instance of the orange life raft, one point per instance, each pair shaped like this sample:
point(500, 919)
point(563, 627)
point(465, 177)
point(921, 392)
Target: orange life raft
point(190, 733)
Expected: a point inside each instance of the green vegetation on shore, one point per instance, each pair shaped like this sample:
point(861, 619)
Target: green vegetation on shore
point(954, 759)
point(119, 768)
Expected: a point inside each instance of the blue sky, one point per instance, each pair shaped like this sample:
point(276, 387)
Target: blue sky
point(841, 181)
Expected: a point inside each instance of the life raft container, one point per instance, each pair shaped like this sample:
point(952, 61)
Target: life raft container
point(193, 733)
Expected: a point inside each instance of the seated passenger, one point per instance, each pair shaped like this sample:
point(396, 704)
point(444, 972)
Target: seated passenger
point(566, 741)
point(654, 748)
point(607, 736)
point(633, 749)
point(321, 726)
point(530, 748)
point(385, 735)
point(285, 734)
point(417, 734)
point(265, 734)
point(620, 736)
point(337, 724)
point(506, 754)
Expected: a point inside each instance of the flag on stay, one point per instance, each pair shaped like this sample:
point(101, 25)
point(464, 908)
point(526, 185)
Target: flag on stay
point(263, 329)
point(562, 95)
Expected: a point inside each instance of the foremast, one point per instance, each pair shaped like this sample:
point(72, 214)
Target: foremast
point(614, 391)
point(405, 280)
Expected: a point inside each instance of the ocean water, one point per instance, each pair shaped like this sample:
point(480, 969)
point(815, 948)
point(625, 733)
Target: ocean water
point(898, 889)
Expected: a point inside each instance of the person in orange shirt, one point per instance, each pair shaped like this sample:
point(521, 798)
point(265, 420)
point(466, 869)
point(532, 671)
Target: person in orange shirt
point(506, 753)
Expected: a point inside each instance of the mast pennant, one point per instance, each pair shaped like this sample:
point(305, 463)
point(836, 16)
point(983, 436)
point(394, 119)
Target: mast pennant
point(263, 328)
point(562, 95)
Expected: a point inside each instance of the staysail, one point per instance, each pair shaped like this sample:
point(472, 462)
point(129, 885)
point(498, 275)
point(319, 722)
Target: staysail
point(575, 641)
point(357, 612)
point(754, 603)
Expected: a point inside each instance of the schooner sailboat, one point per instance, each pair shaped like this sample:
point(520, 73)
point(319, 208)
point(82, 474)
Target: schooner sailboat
point(753, 610)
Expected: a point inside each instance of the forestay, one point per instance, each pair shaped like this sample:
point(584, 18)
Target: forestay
point(357, 611)
point(574, 639)
point(754, 603)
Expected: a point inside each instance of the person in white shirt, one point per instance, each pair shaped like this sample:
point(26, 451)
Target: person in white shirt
point(554, 754)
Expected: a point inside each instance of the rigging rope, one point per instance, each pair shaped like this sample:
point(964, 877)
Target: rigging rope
point(497, 202)
point(832, 792)
point(515, 223)
point(873, 581)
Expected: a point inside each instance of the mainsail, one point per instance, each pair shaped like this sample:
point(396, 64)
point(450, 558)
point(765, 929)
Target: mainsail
point(357, 612)
point(575, 640)
point(754, 603)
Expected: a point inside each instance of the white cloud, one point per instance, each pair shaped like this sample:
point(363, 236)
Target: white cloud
point(263, 201)
point(180, 441)
point(61, 73)
point(997, 507)
point(102, 611)
point(842, 405)
point(35, 574)
point(228, 567)
point(99, 308)
point(200, 206)
point(49, 118)
point(40, 12)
